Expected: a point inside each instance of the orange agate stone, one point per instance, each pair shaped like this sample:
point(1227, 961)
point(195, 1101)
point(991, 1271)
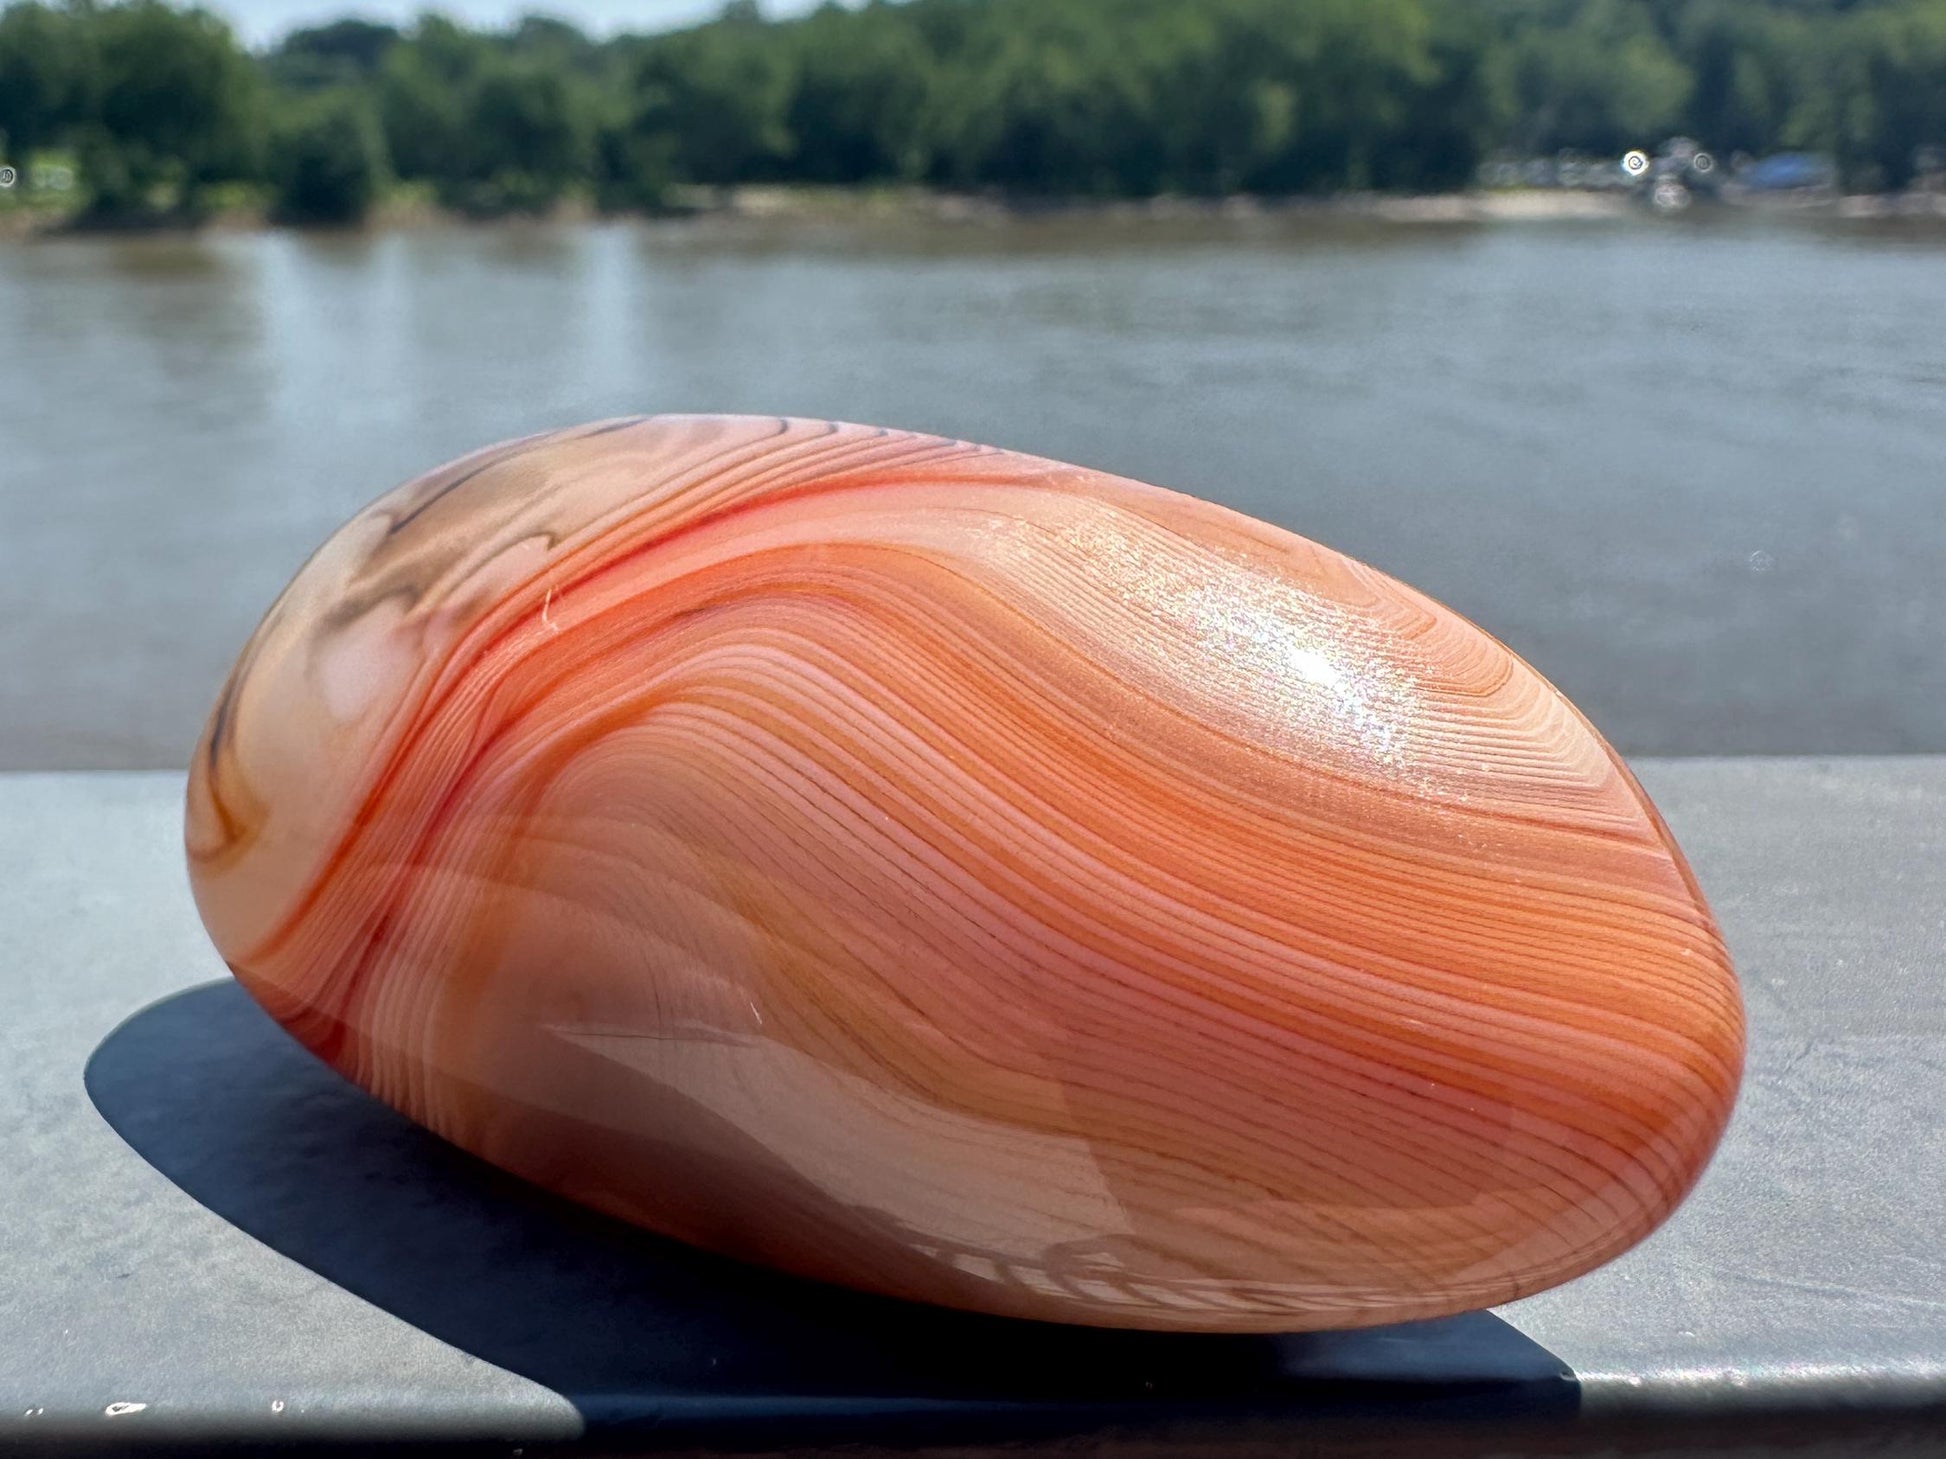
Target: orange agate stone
point(964, 876)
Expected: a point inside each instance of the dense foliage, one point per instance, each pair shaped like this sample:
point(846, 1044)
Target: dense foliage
point(1089, 97)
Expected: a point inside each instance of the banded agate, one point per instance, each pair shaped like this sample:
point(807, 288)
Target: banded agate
point(963, 876)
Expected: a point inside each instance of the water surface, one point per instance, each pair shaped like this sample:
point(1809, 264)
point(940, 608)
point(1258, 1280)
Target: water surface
point(1695, 472)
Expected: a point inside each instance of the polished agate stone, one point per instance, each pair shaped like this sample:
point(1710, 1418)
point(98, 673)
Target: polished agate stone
point(963, 876)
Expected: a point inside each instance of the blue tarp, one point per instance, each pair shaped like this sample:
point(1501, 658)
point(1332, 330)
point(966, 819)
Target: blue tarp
point(1787, 170)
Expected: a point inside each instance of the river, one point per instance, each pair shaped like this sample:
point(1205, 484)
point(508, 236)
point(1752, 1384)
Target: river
point(1695, 471)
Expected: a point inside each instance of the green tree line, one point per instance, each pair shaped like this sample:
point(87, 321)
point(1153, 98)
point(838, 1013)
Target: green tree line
point(158, 105)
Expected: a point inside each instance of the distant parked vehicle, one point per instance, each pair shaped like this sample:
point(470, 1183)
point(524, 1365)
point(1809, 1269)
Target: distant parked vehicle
point(1669, 182)
point(1788, 172)
point(1787, 180)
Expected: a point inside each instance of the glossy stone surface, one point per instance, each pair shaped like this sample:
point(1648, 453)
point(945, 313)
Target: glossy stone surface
point(964, 876)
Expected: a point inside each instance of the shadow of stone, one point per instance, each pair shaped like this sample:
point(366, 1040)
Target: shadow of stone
point(642, 1334)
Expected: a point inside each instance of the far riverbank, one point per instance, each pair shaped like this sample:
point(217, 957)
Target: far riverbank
point(410, 208)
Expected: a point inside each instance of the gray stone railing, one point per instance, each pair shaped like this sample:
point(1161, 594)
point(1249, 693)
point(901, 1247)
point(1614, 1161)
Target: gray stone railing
point(206, 1237)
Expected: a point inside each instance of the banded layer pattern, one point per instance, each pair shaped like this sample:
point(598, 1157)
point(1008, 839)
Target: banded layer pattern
point(964, 876)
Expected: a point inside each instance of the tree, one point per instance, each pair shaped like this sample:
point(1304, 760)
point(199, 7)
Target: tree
point(1905, 68)
point(632, 168)
point(343, 53)
point(47, 70)
point(527, 137)
point(862, 88)
point(327, 160)
point(178, 106)
point(1751, 72)
point(1603, 82)
point(554, 42)
point(423, 86)
point(1455, 119)
point(1359, 66)
point(719, 93)
point(1049, 106)
point(1097, 97)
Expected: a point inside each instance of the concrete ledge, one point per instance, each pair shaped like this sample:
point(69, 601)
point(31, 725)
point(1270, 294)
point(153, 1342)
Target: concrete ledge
point(207, 1238)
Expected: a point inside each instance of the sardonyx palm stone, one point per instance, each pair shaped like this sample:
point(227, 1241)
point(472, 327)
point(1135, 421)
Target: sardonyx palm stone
point(963, 876)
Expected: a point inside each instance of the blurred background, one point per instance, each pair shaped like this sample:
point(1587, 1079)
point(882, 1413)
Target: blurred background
point(1619, 325)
